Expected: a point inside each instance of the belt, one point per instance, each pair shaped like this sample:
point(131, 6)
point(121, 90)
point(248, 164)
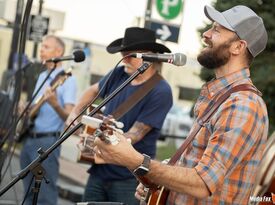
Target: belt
point(44, 134)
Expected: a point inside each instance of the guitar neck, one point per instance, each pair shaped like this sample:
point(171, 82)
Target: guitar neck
point(41, 100)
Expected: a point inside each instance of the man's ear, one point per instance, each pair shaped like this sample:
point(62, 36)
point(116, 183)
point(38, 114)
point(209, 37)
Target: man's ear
point(238, 47)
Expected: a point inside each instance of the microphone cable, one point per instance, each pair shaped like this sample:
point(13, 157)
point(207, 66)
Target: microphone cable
point(16, 123)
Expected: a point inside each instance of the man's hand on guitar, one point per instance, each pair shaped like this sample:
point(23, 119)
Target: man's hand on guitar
point(70, 119)
point(50, 96)
point(122, 153)
point(140, 192)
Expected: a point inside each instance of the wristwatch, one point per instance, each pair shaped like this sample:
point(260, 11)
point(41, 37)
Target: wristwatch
point(143, 169)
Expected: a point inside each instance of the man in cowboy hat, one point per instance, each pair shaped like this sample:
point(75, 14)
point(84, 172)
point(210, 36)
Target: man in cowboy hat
point(142, 123)
point(219, 165)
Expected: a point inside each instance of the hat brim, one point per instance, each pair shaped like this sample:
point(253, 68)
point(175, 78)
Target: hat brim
point(217, 16)
point(116, 46)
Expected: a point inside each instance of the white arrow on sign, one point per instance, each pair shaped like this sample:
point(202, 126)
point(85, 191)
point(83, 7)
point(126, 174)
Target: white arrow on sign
point(164, 32)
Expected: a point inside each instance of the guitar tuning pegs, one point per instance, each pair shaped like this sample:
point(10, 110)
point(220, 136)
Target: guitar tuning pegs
point(119, 125)
point(68, 70)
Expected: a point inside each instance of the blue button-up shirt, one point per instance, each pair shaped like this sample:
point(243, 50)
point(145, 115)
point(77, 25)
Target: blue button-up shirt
point(47, 119)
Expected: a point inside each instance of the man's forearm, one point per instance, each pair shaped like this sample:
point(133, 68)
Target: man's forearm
point(137, 132)
point(176, 178)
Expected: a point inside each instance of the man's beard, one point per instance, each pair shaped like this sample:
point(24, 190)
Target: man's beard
point(128, 68)
point(213, 58)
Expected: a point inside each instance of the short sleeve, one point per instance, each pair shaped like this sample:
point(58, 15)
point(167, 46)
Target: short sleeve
point(69, 91)
point(155, 109)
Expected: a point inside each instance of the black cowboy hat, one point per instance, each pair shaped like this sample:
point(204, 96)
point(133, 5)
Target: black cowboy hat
point(136, 38)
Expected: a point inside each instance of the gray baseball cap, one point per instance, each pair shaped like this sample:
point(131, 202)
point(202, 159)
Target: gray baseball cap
point(245, 23)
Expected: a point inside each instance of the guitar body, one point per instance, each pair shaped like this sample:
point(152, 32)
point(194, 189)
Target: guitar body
point(268, 193)
point(87, 155)
point(101, 127)
point(264, 186)
point(158, 197)
point(26, 124)
point(23, 128)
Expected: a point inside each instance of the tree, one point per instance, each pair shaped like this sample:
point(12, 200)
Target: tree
point(263, 67)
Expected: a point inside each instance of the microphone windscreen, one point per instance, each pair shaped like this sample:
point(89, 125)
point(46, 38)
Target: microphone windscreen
point(179, 59)
point(79, 56)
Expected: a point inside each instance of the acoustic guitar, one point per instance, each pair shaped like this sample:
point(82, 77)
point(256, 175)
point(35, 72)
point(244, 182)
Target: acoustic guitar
point(27, 122)
point(103, 128)
point(154, 194)
point(98, 126)
point(263, 192)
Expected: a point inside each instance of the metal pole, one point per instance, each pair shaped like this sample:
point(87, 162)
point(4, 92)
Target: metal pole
point(16, 32)
point(35, 47)
point(148, 13)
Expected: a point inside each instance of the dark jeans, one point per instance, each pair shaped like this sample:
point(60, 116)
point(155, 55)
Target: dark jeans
point(111, 191)
point(48, 194)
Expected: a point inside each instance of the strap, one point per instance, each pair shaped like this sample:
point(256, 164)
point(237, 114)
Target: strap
point(133, 99)
point(210, 110)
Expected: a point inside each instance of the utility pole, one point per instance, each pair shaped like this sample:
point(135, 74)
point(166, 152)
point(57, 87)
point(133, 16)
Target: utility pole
point(148, 13)
point(34, 54)
point(16, 32)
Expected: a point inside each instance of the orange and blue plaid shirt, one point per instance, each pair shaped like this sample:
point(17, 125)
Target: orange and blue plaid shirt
point(227, 150)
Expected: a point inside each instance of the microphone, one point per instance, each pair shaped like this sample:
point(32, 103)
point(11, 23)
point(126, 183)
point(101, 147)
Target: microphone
point(77, 56)
point(177, 59)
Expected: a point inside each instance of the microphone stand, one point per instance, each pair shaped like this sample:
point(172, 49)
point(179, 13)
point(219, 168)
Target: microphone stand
point(35, 166)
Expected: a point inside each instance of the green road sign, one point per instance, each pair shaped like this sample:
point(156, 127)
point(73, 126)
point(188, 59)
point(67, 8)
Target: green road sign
point(169, 9)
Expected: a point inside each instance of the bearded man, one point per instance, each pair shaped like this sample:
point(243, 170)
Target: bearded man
point(219, 165)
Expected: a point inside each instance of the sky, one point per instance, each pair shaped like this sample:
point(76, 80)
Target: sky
point(102, 21)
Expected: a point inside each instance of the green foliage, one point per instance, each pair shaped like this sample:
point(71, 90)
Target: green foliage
point(263, 67)
point(165, 152)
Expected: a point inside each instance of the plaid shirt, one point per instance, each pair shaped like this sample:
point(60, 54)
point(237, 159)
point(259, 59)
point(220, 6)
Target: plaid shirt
point(227, 150)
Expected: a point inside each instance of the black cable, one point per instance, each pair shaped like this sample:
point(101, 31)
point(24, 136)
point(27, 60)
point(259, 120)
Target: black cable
point(19, 118)
point(28, 190)
point(18, 76)
point(25, 110)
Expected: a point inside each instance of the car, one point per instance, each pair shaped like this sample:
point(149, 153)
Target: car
point(177, 124)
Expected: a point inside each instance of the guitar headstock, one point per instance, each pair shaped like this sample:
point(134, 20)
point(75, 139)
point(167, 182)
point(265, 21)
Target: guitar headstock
point(60, 78)
point(68, 71)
